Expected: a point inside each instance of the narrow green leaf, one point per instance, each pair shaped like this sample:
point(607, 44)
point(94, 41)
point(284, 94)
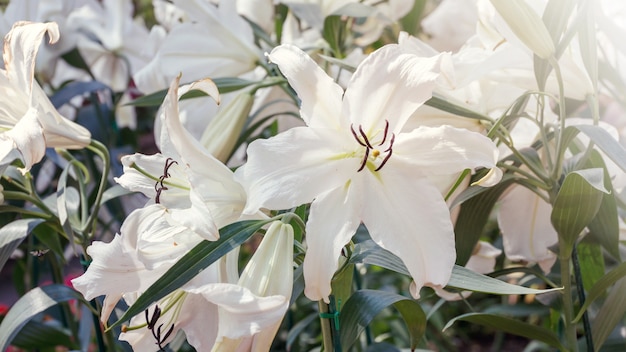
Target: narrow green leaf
point(364, 305)
point(510, 326)
point(224, 84)
point(611, 147)
point(32, 303)
point(447, 105)
point(37, 335)
point(576, 204)
point(368, 252)
point(611, 313)
point(192, 263)
point(11, 235)
point(601, 286)
point(335, 33)
point(466, 279)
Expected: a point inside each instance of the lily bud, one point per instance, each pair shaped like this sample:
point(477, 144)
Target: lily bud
point(527, 26)
point(221, 134)
point(269, 272)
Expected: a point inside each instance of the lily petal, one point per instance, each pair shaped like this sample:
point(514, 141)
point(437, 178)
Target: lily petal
point(524, 219)
point(294, 167)
point(241, 312)
point(409, 217)
point(445, 150)
point(333, 219)
point(311, 83)
point(390, 84)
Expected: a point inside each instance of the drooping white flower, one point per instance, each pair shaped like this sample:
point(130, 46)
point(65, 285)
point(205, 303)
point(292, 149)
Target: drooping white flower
point(196, 188)
point(207, 308)
point(28, 121)
point(355, 164)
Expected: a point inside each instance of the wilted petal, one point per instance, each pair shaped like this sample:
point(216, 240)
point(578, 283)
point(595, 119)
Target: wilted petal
point(20, 50)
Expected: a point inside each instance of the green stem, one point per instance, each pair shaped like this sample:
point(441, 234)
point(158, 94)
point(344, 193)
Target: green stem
point(103, 153)
point(568, 305)
point(581, 299)
point(327, 331)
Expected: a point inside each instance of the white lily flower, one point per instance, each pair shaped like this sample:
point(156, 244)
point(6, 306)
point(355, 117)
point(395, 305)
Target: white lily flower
point(196, 188)
point(355, 163)
point(216, 42)
point(207, 309)
point(112, 42)
point(28, 121)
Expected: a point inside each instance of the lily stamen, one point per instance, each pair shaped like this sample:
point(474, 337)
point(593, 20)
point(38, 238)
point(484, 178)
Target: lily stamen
point(159, 186)
point(365, 142)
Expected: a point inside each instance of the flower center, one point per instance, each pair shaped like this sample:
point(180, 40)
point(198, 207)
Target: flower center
point(362, 139)
point(159, 186)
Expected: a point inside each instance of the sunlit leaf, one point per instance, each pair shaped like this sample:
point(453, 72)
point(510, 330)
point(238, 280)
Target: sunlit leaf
point(510, 326)
point(28, 306)
point(577, 203)
point(368, 252)
point(192, 263)
point(466, 279)
point(439, 102)
point(11, 235)
point(611, 147)
point(364, 305)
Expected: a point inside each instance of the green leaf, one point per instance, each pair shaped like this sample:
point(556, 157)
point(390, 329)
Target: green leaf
point(472, 219)
point(364, 305)
point(368, 252)
point(466, 279)
point(611, 313)
point(604, 228)
point(591, 263)
point(224, 84)
point(335, 34)
point(444, 104)
point(38, 335)
point(510, 326)
point(611, 147)
point(601, 286)
point(192, 263)
point(12, 234)
point(576, 204)
point(28, 306)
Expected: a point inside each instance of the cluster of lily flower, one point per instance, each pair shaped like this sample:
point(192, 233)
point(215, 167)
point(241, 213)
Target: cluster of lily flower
point(367, 149)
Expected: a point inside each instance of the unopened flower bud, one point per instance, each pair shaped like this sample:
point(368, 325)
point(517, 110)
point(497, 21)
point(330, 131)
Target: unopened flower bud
point(221, 134)
point(527, 26)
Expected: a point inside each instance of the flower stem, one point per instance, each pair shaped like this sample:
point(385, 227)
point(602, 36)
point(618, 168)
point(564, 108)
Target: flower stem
point(568, 305)
point(327, 331)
